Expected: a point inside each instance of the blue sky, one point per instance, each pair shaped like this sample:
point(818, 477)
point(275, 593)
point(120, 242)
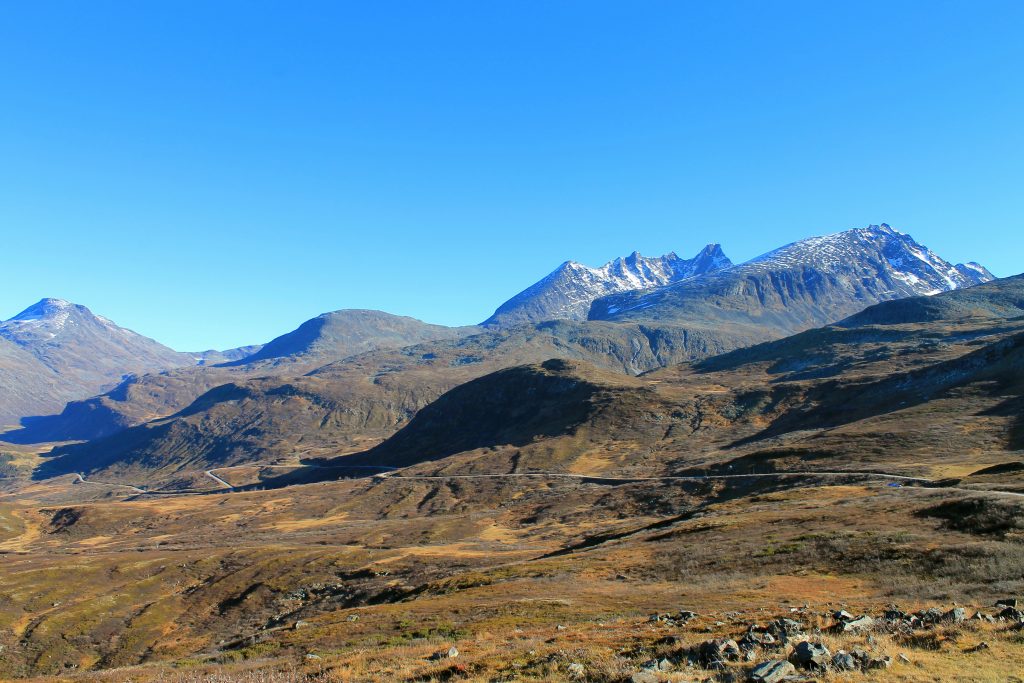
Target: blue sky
point(212, 174)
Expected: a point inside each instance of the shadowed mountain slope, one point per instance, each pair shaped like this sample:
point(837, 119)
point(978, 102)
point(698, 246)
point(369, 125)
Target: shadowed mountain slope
point(345, 404)
point(789, 393)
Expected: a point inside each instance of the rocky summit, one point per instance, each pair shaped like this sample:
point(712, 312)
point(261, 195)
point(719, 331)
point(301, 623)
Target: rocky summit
point(568, 292)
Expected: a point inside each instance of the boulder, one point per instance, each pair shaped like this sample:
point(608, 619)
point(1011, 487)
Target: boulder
point(842, 615)
point(861, 623)
point(1012, 614)
point(877, 663)
point(719, 650)
point(844, 661)
point(644, 677)
point(1006, 602)
point(808, 655)
point(957, 615)
point(772, 672)
point(752, 641)
point(790, 627)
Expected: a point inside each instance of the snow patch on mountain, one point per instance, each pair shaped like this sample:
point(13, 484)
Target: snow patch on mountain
point(570, 289)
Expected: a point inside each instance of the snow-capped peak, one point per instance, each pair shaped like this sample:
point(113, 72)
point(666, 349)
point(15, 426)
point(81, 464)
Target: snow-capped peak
point(45, 308)
point(568, 291)
point(50, 313)
point(908, 264)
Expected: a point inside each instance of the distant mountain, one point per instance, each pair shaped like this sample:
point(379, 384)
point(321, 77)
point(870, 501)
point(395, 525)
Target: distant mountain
point(140, 398)
point(567, 293)
point(726, 413)
point(251, 417)
point(55, 351)
point(805, 284)
point(340, 334)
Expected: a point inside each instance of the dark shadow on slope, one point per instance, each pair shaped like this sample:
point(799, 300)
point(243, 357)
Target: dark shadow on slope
point(509, 407)
point(996, 368)
point(1012, 407)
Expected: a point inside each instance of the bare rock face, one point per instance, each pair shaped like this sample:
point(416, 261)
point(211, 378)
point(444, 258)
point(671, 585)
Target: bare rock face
point(568, 292)
point(812, 282)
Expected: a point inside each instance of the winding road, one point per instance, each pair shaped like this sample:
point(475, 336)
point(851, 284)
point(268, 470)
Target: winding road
point(772, 475)
point(394, 474)
point(79, 479)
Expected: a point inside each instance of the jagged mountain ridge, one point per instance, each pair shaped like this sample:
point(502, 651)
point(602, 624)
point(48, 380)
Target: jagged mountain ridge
point(801, 285)
point(568, 292)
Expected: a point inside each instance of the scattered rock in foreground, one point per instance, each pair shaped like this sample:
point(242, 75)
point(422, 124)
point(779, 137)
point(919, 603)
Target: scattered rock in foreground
point(772, 672)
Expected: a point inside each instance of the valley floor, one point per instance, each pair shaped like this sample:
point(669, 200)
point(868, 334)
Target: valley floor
point(529, 578)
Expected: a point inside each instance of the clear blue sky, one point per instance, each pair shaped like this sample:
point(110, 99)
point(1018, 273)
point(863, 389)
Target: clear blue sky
point(213, 173)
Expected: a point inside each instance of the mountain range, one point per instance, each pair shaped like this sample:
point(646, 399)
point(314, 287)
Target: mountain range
point(570, 290)
point(773, 448)
point(351, 378)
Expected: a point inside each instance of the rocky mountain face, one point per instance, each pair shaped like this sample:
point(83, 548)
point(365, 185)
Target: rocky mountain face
point(55, 351)
point(808, 283)
point(567, 293)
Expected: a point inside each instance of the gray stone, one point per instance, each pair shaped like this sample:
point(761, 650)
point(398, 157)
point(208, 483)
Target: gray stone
point(1006, 602)
point(842, 615)
point(861, 623)
point(717, 651)
point(772, 672)
point(643, 677)
point(808, 655)
point(453, 652)
point(790, 627)
point(957, 615)
point(1012, 613)
point(576, 670)
point(844, 661)
point(877, 663)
